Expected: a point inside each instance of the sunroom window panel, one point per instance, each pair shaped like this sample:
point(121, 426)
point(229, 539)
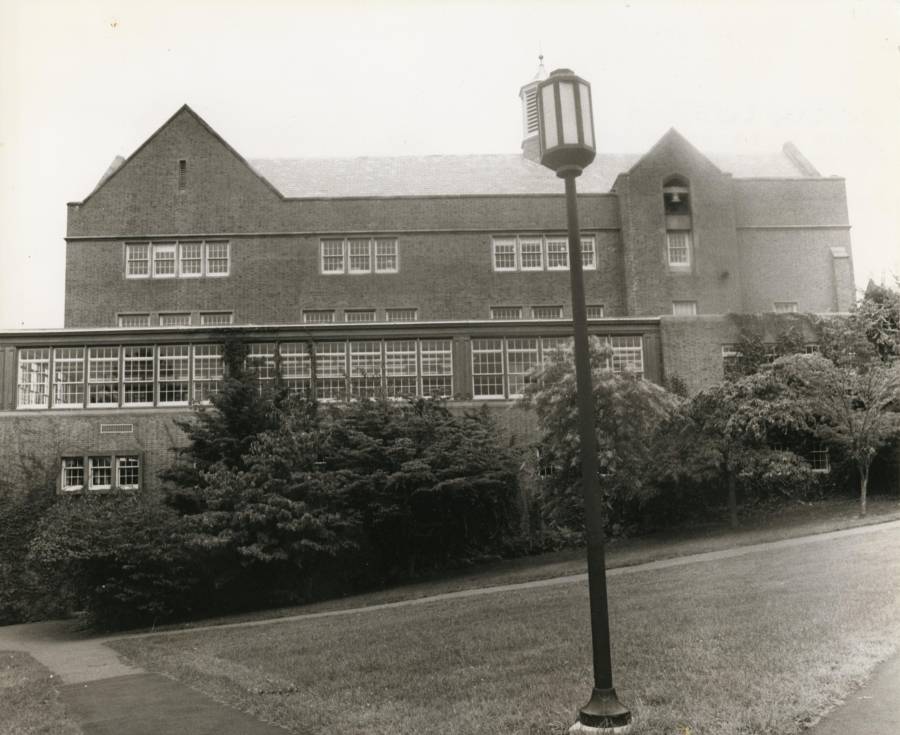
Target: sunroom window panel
point(556, 347)
point(261, 360)
point(360, 255)
point(386, 260)
point(209, 370)
point(521, 358)
point(137, 375)
point(331, 370)
point(365, 369)
point(34, 378)
point(487, 368)
point(68, 377)
point(400, 368)
point(627, 355)
point(173, 374)
point(557, 254)
point(296, 367)
point(437, 367)
point(103, 376)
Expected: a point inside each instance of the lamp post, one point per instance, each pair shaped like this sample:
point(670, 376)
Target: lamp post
point(566, 135)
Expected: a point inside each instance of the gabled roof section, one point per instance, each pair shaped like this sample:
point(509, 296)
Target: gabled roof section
point(119, 163)
point(675, 139)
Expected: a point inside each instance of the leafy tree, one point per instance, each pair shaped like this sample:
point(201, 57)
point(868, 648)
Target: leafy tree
point(627, 411)
point(722, 435)
point(853, 407)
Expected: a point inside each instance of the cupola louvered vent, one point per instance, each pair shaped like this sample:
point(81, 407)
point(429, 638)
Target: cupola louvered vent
point(531, 111)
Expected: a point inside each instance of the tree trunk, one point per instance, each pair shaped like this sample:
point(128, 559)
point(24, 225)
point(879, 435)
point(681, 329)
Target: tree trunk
point(863, 488)
point(732, 498)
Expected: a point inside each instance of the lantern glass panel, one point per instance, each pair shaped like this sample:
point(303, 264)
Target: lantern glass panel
point(551, 138)
point(569, 113)
point(587, 117)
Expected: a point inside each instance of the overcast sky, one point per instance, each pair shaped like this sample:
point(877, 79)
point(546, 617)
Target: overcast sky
point(84, 80)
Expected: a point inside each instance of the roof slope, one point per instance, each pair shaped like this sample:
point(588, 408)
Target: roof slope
point(441, 175)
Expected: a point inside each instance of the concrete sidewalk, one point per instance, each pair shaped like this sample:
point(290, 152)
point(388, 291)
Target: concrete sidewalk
point(874, 709)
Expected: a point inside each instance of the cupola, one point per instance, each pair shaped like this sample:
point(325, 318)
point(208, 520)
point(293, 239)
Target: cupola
point(528, 95)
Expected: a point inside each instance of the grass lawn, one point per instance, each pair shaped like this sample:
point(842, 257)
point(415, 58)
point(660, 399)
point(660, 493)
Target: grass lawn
point(757, 644)
point(757, 526)
point(29, 703)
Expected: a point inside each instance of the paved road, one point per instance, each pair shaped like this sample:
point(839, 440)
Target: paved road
point(107, 696)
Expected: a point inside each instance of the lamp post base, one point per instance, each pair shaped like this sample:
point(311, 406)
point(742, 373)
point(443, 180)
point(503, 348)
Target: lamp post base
point(604, 714)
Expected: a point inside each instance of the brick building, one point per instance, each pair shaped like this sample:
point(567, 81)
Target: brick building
point(434, 275)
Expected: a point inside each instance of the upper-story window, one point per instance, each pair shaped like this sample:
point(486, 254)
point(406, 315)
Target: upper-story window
point(785, 307)
point(401, 315)
point(175, 259)
point(539, 252)
point(684, 308)
point(359, 255)
point(679, 224)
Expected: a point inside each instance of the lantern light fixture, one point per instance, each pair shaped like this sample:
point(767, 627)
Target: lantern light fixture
point(566, 123)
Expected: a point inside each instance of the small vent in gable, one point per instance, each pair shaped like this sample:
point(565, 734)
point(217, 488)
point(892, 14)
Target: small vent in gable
point(116, 428)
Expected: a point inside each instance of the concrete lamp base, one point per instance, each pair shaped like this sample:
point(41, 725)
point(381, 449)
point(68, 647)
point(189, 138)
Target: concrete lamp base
point(588, 730)
point(604, 714)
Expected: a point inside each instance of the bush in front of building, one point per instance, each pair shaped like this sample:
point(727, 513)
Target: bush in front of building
point(121, 558)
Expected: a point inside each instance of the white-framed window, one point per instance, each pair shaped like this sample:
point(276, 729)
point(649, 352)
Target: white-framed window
point(296, 367)
point(365, 369)
point(318, 316)
point(546, 312)
point(68, 377)
point(437, 367)
point(731, 360)
point(785, 307)
point(100, 473)
point(401, 315)
point(521, 358)
point(387, 259)
point(164, 265)
point(209, 371)
point(216, 318)
point(137, 375)
point(400, 370)
point(137, 260)
point(506, 312)
point(359, 255)
point(128, 472)
point(819, 460)
point(72, 474)
point(218, 258)
point(811, 349)
point(191, 257)
point(684, 308)
point(261, 360)
point(331, 370)
point(531, 253)
point(627, 354)
point(588, 254)
point(103, 376)
point(332, 256)
point(504, 249)
point(173, 375)
point(552, 346)
point(594, 311)
point(557, 254)
point(678, 244)
point(179, 319)
point(134, 320)
point(359, 315)
point(487, 368)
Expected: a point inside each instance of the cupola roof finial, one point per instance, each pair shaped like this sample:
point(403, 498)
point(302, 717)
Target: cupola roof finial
point(541, 73)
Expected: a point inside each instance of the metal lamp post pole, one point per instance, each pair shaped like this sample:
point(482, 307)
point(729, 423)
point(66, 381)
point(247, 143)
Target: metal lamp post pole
point(604, 709)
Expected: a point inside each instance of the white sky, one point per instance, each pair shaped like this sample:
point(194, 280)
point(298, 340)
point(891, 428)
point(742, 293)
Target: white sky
point(84, 80)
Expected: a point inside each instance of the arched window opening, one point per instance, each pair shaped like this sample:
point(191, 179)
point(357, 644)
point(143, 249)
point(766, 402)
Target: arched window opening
point(679, 240)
